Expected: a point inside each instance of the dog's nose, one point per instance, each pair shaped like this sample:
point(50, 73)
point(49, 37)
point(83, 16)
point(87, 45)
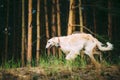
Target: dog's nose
point(46, 47)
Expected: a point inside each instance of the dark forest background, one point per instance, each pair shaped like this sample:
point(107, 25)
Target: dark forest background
point(95, 13)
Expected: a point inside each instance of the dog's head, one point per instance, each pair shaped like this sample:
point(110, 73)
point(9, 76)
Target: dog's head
point(52, 42)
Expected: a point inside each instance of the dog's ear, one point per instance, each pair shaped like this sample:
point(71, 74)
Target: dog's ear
point(58, 45)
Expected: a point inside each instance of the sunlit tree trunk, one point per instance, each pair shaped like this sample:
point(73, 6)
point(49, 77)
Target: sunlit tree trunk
point(81, 16)
point(70, 20)
point(29, 49)
point(109, 21)
point(23, 34)
point(46, 23)
point(58, 18)
point(53, 23)
point(6, 33)
point(73, 16)
point(58, 23)
point(38, 33)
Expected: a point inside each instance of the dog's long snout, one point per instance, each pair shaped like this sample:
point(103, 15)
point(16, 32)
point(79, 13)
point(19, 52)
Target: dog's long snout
point(46, 46)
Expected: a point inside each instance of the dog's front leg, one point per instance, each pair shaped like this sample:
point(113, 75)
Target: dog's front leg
point(72, 55)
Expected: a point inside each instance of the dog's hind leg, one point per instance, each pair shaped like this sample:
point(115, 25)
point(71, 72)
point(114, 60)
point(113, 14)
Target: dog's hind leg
point(89, 52)
point(97, 64)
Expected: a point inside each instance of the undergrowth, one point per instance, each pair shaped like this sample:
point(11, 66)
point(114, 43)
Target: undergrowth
point(53, 62)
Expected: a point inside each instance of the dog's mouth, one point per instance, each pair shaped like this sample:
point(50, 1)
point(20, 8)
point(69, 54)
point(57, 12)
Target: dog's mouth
point(49, 47)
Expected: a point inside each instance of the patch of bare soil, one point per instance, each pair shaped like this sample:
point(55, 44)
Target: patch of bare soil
point(37, 73)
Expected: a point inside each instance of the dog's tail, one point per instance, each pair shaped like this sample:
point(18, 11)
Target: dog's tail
point(104, 48)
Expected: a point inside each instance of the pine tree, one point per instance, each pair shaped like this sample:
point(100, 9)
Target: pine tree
point(46, 23)
point(81, 17)
point(38, 33)
point(29, 45)
point(109, 20)
point(23, 34)
point(58, 22)
point(6, 33)
point(70, 20)
point(53, 23)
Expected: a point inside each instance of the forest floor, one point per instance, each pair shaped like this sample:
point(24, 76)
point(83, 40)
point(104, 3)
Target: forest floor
point(61, 73)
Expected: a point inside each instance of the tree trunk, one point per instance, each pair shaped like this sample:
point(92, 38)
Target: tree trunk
point(29, 49)
point(58, 23)
point(53, 23)
point(81, 17)
point(14, 24)
point(84, 15)
point(23, 35)
point(46, 24)
point(38, 33)
point(73, 16)
point(70, 20)
point(94, 21)
point(109, 20)
point(6, 33)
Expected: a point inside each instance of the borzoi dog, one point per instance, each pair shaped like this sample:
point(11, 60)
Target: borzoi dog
point(73, 44)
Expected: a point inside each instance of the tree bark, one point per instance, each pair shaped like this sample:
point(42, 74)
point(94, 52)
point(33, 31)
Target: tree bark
point(81, 16)
point(14, 29)
point(84, 15)
point(29, 49)
point(58, 23)
point(46, 24)
point(109, 21)
point(53, 23)
point(70, 20)
point(6, 33)
point(23, 35)
point(38, 33)
point(94, 21)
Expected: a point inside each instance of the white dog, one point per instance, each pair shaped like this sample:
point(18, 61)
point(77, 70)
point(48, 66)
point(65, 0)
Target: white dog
point(72, 45)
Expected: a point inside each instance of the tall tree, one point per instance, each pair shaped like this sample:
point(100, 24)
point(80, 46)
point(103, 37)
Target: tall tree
point(84, 14)
point(58, 18)
point(58, 22)
point(94, 20)
point(38, 32)
point(14, 24)
point(6, 32)
point(53, 23)
point(18, 38)
point(70, 20)
point(109, 20)
point(29, 45)
point(81, 16)
point(46, 23)
point(23, 34)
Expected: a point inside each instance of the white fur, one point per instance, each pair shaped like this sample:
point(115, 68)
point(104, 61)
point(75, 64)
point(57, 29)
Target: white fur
point(72, 45)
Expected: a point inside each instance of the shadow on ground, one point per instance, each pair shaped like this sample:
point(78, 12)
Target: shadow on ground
point(37, 73)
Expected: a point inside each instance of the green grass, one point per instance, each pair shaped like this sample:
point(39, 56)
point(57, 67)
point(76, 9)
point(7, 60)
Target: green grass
point(53, 62)
point(11, 64)
point(57, 64)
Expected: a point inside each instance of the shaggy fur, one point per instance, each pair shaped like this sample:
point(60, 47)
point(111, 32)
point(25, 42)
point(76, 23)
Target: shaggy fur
point(72, 45)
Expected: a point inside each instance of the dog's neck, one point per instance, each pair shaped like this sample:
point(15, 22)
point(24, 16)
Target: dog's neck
point(59, 43)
